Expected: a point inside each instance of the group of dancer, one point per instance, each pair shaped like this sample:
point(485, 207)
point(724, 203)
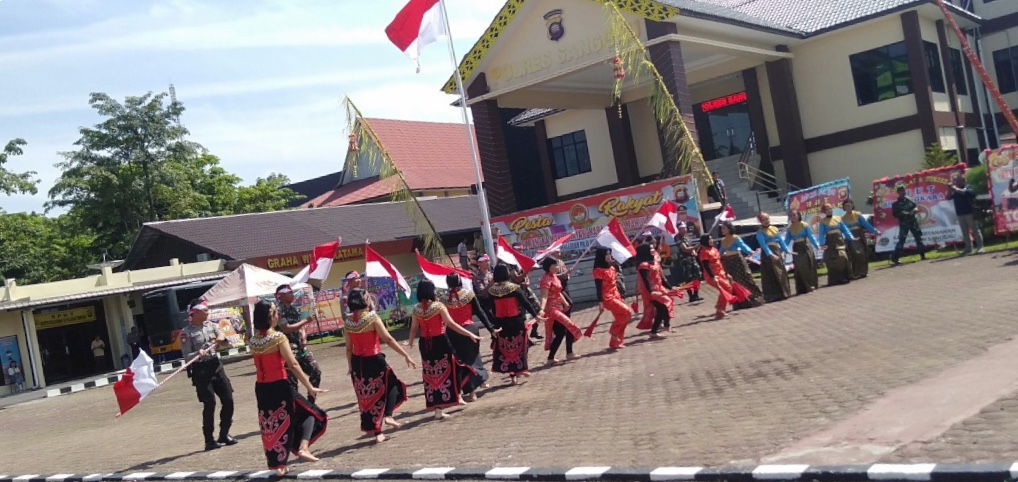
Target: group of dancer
point(443, 322)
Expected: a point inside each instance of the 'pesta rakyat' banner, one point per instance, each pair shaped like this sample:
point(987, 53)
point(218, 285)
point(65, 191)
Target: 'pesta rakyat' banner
point(537, 228)
point(809, 201)
point(1001, 169)
point(929, 189)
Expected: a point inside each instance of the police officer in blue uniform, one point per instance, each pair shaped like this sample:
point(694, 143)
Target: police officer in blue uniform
point(202, 338)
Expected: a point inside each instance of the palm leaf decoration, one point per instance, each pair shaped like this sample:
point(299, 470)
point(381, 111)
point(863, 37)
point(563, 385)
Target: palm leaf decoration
point(633, 57)
point(370, 147)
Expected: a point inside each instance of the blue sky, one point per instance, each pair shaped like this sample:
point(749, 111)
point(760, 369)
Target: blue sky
point(262, 80)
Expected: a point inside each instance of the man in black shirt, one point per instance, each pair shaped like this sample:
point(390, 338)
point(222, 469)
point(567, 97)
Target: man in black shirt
point(963, 197)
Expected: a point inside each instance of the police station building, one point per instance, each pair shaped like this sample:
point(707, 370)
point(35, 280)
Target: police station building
point(806, 91)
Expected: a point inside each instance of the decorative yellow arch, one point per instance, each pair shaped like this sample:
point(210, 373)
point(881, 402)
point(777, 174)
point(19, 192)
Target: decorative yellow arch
point(648, 9)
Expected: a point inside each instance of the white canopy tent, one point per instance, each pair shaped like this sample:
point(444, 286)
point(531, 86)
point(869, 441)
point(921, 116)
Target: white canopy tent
point(244, 286)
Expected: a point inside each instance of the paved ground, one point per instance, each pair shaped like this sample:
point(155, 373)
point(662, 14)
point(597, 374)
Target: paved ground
point(715, 393)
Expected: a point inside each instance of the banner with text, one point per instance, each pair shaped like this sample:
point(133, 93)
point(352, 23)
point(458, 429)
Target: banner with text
point(537, 228)
point(929, 189)
point(809, 201)
point(1001, 169)
point(231, 324)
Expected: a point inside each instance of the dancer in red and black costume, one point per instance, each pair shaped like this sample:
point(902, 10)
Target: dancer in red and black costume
point(555, 305)
point(463, 306)
point(444, 374)
point(654, 287)
point(509, 354)
point(606, 284)
point(379, 392)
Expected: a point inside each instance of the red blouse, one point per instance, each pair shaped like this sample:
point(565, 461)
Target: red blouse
point(655, 275)
point(460, 306)
point(553, 286)
point(429, 317)
point(269, 363)
point(609, 288)
point(361, 334)
point(504, 296)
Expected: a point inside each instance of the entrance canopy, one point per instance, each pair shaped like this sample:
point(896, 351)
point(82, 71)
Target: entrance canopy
point(244, 286)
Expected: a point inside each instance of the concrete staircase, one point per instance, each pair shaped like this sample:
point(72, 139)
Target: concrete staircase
point(743, 199)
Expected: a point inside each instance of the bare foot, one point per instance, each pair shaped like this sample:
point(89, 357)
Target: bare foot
point(551, 361)
point(281, 471)
point(306, 456)
point(525, 374)
point(392, 423)
point(656, 336)
point(572, 356)
point(513, 381)
point(471, 397)
point(380, 438)
point(440, 416)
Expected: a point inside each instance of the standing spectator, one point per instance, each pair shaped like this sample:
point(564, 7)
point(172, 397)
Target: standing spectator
point(905, 210)
point(963, 197)
point(478, 245)
point(99, 353)
point(464, 255)
point(16, 377)
point(717, 192)
point(134, 341)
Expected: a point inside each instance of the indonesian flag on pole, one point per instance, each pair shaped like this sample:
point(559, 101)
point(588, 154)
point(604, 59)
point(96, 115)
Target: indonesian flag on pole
point(508, 255)
point(378, 267)
point(727, 214)
point(321, 262)
point(419, 24)
point(615, 239)
point(437, 273)
point(551, 249)
point(136, 384)
point(666, 218)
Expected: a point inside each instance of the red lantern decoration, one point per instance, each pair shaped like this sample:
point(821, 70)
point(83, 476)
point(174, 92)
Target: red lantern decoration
point(618, 68)
point(353, 143)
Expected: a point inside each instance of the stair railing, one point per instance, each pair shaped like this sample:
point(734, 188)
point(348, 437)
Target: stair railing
point(760, 181)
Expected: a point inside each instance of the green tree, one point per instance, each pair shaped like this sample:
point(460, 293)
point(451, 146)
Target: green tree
point(936, 157)
point(266, 194)
point(36, 249)
point(14, 182)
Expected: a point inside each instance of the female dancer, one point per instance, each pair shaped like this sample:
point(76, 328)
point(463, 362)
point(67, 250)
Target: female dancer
point(654, 287)
point(463, 306)
point(834, 234)
point(509, 354)
point(444, 375)
point(687, 265)
point(859, 249)
point(289, 422)
point(800, 237)
point(733, 248)
point(555, 305)
point(716, 275)
point(606, 286)
point(379, 392)
point(773, 275)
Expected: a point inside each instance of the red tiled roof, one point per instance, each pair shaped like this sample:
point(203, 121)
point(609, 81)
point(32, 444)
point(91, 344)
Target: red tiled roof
point(431, 155)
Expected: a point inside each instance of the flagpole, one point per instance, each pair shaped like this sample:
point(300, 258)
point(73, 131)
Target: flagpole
point(481, 198)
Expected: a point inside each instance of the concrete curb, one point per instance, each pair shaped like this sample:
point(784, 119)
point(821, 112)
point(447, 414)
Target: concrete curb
point(115, 376)
point(834, 473)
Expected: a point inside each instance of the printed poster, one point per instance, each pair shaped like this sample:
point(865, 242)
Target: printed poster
point(537, 228)
point(929, 189)
point(391, 305)
point(1001, 169)
point(10, 358)
point(328, 304)
point(231, 324)
point(809, 201)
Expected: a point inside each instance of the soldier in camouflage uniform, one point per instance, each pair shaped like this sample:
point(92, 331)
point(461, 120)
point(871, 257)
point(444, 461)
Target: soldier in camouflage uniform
point(291, 325)
point(905, 209)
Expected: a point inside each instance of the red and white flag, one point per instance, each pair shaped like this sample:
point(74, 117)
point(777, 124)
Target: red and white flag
point(508, 255)
point(437, 273)
point(321, 262)
point(614, 238)
point(378, 267)
point(136, 384)
point(727, 214)
point(666, 218)
point(419, 24)
point(551, 249)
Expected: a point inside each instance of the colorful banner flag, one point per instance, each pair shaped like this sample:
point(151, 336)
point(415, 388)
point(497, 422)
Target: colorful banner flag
point(231, 324)
point(634, 206)
point(1001, 169)
point(929, 189)
point(809, 201)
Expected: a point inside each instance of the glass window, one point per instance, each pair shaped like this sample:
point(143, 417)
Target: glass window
point(881, 73)
point(958, 68)
point(1005, 61)
point(569, 154)
point(936, 73)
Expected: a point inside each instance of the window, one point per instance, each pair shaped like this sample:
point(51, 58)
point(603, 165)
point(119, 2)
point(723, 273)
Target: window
point(881, 73)
point(1005, 61)
point(569, 154)
point(933, 67)
point(958, 68)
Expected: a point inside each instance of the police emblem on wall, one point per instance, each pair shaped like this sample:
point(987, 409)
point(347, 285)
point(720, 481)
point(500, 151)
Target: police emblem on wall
point(555, 28)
